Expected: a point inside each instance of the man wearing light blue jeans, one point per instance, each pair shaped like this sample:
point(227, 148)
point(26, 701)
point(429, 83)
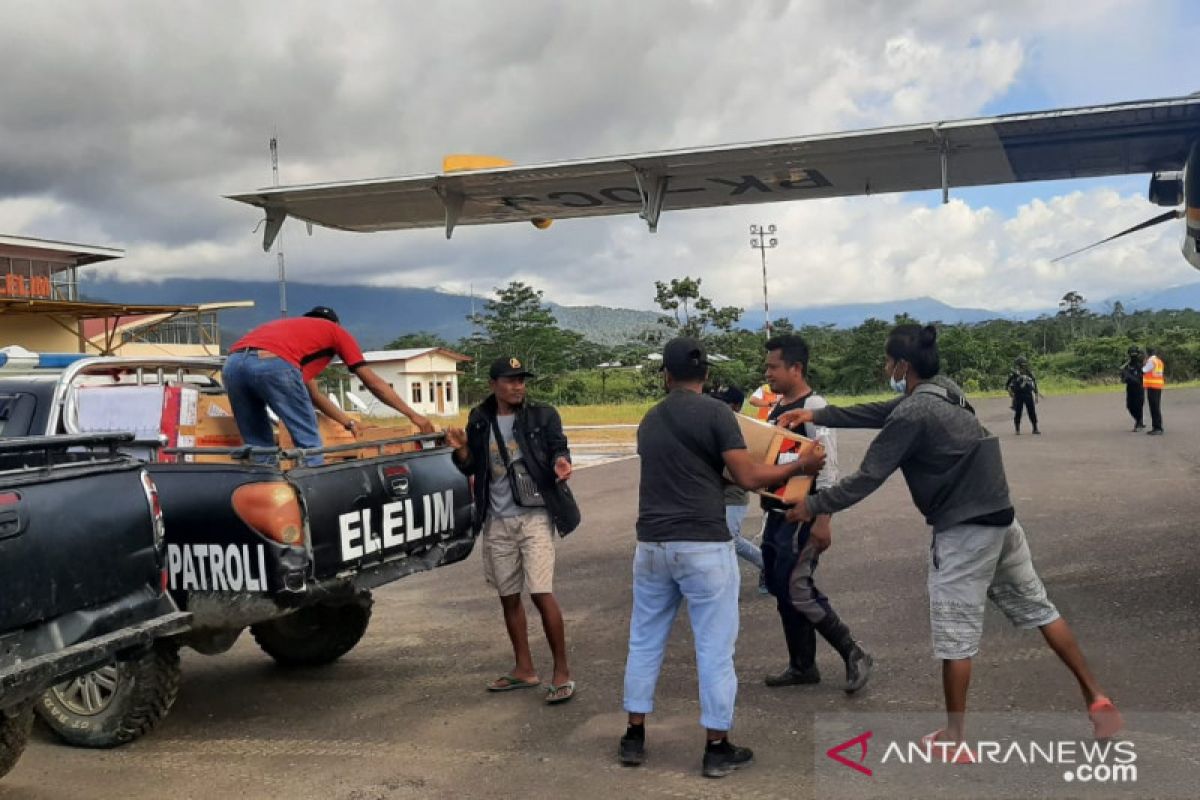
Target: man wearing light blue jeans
point(685, 551)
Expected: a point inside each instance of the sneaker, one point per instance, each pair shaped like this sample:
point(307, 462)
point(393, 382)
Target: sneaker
point(858, 669)
point(724, 757)
point(1156, 432)
point(632, 750)
point(762, 582)
point(794, 677)
point(1036, 432)
point(1139, 427)
point(1106, 720)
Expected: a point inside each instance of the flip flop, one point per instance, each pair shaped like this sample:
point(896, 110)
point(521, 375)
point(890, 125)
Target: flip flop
point(1106, 720)
point(569, 687)
point(949, 755)
point(506, 683)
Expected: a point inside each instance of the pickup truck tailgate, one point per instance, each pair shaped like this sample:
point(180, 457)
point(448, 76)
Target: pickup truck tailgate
point(369, 511)
point(99, 547)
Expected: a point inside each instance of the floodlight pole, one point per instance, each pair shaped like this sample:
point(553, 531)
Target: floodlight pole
point(763, 239)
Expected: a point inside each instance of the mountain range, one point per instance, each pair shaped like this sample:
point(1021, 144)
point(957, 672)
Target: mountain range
point(377, 315)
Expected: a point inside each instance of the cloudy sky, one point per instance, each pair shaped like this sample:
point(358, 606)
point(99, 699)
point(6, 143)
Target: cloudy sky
point(124, 123)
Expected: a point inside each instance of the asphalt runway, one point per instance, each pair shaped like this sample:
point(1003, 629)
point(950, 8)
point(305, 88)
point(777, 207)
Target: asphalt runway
point(1111, 517)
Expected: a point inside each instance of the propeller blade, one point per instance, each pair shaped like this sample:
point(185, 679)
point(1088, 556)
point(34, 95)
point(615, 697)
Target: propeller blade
point(1167, 217)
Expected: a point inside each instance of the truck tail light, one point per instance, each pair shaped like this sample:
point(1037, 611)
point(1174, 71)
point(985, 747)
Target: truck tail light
point(272, 509)
point(151, 491)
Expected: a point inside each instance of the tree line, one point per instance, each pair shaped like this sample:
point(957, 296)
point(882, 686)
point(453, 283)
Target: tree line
point(1076, 345)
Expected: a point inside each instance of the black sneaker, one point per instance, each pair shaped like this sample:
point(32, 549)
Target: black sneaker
point(858, 669)
point(723, 758)
point(794, 677)
point(1156, 432)
point(632, 750)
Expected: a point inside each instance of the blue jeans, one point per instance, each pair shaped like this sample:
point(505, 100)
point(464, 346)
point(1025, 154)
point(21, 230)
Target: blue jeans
point(256, 383)
point(706, 574)
point(746, 549)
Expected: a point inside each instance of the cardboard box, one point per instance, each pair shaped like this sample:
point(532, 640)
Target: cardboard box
point(215, 427)
point(333, 435)
point(770, 444)
point(148, 411)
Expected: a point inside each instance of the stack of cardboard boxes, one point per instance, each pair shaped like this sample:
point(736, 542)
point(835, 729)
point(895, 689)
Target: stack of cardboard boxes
point(183, 416)
point(333, 435)
point(165, 414)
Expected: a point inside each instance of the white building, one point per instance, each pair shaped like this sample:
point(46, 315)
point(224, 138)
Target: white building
point(425, 378)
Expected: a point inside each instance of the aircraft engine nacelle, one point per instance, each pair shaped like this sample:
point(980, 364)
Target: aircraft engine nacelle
point(1191, 211)
point(1166, 189)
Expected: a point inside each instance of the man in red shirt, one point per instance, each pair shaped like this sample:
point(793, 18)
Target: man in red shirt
point(276, 365)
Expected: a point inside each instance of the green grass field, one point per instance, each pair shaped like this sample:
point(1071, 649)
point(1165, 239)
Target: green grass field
point(632, 413)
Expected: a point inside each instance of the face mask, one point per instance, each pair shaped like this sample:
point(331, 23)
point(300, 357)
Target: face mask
point(899, 386)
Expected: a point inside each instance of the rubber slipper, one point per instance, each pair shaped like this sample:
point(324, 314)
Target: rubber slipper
point(1106, 720)
point(569, 687)
point(949, 755)
point(506, 683)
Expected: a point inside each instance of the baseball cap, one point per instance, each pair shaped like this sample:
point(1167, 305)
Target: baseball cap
point(323, 312)
point(508, 367)
point(731, 395)
point(683, 354)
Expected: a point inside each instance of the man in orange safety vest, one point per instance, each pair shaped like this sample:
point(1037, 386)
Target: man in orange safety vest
point(1154, 381)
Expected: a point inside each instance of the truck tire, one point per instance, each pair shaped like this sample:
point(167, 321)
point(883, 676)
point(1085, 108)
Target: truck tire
point(115, 704)
point(14, 733)
point(314, 635)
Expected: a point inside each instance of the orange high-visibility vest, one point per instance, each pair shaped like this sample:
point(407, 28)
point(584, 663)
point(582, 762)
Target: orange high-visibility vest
point(1154, 378)
point(770, 397)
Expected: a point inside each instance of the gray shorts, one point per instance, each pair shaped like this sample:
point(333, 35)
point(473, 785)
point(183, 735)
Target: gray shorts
point(969, 564)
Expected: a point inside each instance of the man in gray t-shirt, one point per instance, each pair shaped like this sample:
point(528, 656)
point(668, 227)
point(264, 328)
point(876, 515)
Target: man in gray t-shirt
point(685, 551)
point(500, 498)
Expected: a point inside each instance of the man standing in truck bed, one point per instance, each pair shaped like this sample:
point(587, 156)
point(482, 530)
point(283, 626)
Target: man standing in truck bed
point(276, 366)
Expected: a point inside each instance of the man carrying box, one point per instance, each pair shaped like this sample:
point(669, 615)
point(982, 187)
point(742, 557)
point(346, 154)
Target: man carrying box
point(276, 366)
point(685, 550)
point(791, 553)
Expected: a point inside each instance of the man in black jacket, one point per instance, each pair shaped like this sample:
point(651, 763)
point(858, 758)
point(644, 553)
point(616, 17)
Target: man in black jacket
point(1135, 393)
point(515, 450)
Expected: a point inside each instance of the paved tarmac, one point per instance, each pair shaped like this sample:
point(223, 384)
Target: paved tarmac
point(1111, 517)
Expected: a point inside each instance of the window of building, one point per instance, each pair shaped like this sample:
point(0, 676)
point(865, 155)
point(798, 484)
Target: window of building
point(449, 391)
point(416, 393)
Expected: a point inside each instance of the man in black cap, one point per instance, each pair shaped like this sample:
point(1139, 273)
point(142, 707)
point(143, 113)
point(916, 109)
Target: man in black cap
point(685, 551)
point(1135, 393)
point(1023, 389)
point(517, 453)
point(276, 366)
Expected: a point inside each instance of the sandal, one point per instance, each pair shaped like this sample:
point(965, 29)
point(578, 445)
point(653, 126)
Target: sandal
point(560, 693)
point(1106, 720)
point(506, 683)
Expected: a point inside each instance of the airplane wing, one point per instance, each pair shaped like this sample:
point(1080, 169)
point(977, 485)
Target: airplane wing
point(1138, 137)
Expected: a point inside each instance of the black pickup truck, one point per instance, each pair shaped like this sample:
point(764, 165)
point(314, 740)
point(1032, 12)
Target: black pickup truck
point(290, 554)
point(82, 582)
